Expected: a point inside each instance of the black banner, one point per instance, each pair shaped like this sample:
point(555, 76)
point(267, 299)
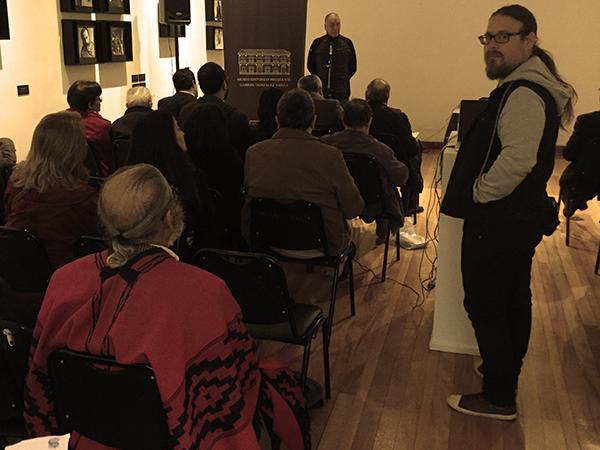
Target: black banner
point(264, 47)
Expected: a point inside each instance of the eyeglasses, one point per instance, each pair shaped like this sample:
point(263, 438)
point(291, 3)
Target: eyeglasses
point(501, 38)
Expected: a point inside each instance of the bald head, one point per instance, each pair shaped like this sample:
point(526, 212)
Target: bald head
point(332, 24)
point(137, 208)
point(378, 91)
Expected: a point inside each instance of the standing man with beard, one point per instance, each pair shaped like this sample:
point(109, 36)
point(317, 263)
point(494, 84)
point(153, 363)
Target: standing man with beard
point(333, 59)
point(498, 186)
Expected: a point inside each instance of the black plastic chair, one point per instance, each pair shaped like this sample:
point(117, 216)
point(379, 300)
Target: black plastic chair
point(410, 199)
point(298, 225)
point(367, 176)
point(258, 283)
point(114, 404)
point(87, 245)
point(23, 261)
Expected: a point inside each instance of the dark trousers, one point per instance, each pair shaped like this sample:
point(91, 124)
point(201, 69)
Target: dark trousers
point(496, 272)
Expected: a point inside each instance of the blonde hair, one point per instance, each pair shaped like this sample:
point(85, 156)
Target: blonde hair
point(131, 220)
point(139, 96)
point(57, 155)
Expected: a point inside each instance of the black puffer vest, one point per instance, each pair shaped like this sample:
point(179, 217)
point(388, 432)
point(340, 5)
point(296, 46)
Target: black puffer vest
point(526, 202)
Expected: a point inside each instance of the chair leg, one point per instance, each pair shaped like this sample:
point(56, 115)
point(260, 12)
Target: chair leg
point(597, 261)
point(326, 362)
point(568, 236)
point(398, 244)
point(305, 361)
point(385, 253)
point(336, 271)
point(351, 286)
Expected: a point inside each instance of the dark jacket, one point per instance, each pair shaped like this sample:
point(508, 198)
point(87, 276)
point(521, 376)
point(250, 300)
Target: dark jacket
point(388, 120)
point(343, 64)
point(329, 114)
point(237, 122)
point(175, 103)
point(527, 201)
point(394, 173)
point(58, 218)
point(121, 131)
point(580, 180)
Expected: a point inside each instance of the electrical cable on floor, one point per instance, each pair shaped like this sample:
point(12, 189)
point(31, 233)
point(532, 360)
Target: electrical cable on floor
point(368, 269)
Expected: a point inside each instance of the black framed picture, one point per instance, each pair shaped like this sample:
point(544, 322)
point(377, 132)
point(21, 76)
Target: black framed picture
point(114, 42)
point(214, 38)
point(77, 6)
point(214, 10)
point(79, 42)
point(4, 30)
point(112, 6)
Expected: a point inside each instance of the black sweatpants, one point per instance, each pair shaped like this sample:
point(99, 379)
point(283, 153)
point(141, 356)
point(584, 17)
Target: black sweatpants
point(496, 272)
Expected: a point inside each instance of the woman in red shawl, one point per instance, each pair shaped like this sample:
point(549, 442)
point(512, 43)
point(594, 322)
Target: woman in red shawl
point(139, 304)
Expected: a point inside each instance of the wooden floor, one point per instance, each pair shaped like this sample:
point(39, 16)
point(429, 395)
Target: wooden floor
point(389, 390)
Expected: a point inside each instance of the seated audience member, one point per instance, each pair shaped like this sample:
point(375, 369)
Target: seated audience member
point(393, 121)
point(139, 104)
point(267, 109)
point(580, 180)
point(210, 150)
point(186, 91)
point(158, 140)
point(149, 308)
point(213, 83)
point(328, 110)
point(84, 97)
point(48, 193)
point(8, 159)
point(295, 165)
point(356, 139)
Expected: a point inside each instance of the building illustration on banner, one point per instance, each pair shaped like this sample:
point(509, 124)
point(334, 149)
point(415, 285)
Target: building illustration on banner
point(274, 62)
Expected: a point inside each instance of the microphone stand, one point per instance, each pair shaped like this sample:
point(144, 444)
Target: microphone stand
point(329, 64)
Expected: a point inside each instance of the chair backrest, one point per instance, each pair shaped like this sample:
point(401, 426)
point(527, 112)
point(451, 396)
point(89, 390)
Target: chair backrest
point(295, 225)
point(256, 281)
point(393, 142)
point(23, 261)
point(367, 176)
point(86, 245)
point(114, 404)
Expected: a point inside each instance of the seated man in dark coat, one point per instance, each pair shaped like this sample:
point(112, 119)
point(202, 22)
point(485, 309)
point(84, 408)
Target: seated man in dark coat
point(329, 111)
point(580, 181)
point(139, 104)
point(186, 92)
point(213, 83)
point(355, 139)
point(392, 121)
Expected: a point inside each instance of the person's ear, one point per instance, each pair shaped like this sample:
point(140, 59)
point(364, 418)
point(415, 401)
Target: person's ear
point(530, 41)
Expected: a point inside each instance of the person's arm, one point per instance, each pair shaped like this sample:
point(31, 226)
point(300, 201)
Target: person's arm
point(396, 172)
point(575, 142)
point(520, 130)
point(348, 195)
point(352, 60)
point(311, 63)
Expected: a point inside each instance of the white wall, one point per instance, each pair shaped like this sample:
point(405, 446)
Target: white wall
point(429, 53)
point(33, 56)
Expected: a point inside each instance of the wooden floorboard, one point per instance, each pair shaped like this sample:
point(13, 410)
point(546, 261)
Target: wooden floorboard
point(389, 389)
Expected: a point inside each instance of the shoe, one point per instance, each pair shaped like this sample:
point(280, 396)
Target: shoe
point(478, 367)
point(476, 405)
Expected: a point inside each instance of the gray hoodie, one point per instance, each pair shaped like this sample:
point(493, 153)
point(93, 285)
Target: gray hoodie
point(520, 129)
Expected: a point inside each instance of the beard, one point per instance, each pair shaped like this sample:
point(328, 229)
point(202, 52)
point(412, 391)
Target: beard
point(495, 67)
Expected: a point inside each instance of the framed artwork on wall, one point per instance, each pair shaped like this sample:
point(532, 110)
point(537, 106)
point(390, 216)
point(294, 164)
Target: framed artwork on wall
point(79, 42)
point(114, 42)
point(112, 6)
point(77, 6)
point(214, 38)
point(214, 10)
point(4, 30)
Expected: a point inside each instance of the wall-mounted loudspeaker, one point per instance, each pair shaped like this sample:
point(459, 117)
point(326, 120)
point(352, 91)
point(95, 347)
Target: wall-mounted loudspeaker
point(174, 11)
